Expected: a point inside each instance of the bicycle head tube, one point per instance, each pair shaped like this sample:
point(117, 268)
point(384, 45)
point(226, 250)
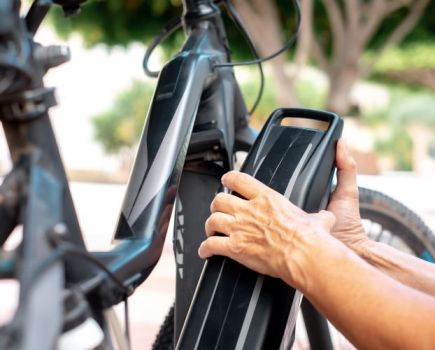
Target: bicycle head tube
point(198, 8)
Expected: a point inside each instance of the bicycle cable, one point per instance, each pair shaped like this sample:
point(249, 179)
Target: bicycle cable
point(174, 24)
point(286, 46)
point(68, 249)
point(169, 28)
point(240, 26)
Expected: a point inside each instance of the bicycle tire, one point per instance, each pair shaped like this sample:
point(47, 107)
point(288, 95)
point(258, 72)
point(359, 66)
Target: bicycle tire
point(392, 217)
point(165, 337)
point(399, 221)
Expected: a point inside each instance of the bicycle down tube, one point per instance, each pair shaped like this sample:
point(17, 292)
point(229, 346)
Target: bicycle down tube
point(188, 83)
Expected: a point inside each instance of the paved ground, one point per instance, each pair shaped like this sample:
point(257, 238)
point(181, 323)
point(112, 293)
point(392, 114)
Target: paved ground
point(98, 205)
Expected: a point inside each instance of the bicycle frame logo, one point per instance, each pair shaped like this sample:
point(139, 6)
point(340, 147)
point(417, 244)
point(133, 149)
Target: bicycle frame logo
point(178, 237)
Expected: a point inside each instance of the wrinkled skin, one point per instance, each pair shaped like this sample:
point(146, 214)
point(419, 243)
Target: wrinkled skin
point(265, 231)
point(377, 296)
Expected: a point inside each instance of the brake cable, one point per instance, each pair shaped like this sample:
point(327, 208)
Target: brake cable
point(65, 249)
point(239, 24)
point(175, 24)
point(167, 30)
point(286, 46)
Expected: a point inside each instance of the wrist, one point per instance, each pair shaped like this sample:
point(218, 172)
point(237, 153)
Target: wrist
point(305, 261)
point(363, 247)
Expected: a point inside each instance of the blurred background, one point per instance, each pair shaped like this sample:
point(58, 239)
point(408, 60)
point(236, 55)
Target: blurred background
point(373, 62)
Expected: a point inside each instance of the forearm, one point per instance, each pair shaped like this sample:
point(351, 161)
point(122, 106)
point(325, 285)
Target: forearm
point(408, 269)
point(368, 307)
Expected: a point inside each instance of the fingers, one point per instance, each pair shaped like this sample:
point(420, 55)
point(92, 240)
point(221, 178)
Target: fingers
point(226, 203)
point(346, 172)
point(218, 222)
point(215, 245)
point(245, 185)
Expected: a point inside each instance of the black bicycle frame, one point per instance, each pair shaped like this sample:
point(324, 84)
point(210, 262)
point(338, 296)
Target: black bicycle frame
point(197, 120)
point(194, 105)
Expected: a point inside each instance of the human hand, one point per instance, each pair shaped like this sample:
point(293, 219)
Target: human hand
point(344, 202)
point(264, 231)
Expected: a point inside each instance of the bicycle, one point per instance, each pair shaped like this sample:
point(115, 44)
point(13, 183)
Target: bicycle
point(196, 122)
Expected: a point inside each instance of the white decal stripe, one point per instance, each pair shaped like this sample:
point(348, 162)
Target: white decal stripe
point(257, 289)
point(291, 321)
point(298, 169)
point(160, 170)
point(250, 313)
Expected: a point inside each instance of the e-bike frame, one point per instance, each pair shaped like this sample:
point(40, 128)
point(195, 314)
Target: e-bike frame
point(197, 120)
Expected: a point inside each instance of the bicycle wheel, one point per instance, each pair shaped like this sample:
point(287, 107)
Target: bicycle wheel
point(165, 338)
point(385, 220)
point(388, 221)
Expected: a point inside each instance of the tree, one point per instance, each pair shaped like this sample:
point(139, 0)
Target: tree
point(268, 38)
point(334, 32)
point(119, 128)
point(117, 22)
point(353, 26)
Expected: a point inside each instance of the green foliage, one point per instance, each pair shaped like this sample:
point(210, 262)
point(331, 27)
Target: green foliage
point(122, 125)
point(407, 107)
point(416, 55)
point(120, 22)
point(398, 146)
point(415, 109)
point(117, 22)
point(250, 89)
point(309, 94)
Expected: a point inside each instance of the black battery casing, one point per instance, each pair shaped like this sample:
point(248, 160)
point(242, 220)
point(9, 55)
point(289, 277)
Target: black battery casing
point(234, 307)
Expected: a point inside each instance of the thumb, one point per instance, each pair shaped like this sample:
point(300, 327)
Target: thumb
point(346, 173)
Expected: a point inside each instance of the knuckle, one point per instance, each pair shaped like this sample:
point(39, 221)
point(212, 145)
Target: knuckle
point(211, 221)
point(264, 202)
point(237, 249)
point(231, 177)
point(217, 201)
point(207, 225)
point(241, 178)
point(204, 247)
point(219, 198)
point(352, 165)
point(351, 192)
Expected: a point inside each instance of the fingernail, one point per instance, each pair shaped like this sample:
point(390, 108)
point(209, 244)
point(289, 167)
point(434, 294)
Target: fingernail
point(199, 251)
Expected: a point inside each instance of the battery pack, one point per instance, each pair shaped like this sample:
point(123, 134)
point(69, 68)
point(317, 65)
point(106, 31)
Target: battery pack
point(237, 308)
